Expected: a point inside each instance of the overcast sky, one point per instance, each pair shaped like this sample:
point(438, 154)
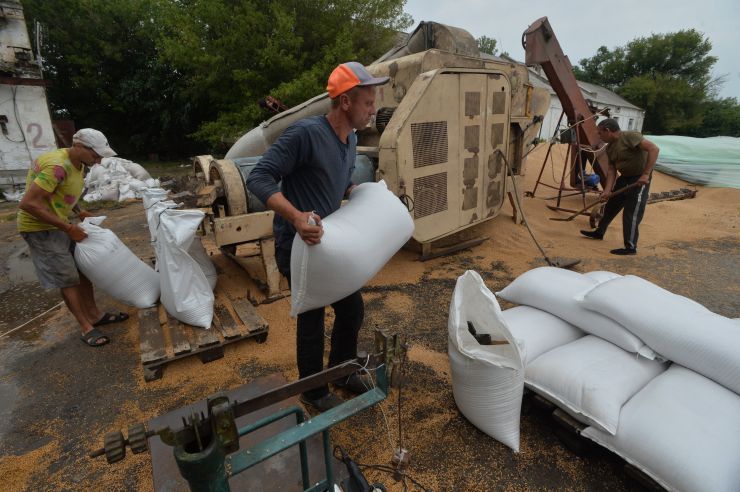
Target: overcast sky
point(581, 26)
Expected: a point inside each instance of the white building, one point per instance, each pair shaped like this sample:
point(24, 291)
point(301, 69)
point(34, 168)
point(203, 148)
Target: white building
point(629, 116)
point(25, 124)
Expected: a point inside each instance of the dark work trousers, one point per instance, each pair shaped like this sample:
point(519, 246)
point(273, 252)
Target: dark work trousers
point(348, 315)
point(633, 202)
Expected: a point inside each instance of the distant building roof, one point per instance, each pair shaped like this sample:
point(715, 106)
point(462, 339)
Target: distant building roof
point(596, 93)
point(602, 95)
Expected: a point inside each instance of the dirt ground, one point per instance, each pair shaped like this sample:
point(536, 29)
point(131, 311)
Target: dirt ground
point(58, 397)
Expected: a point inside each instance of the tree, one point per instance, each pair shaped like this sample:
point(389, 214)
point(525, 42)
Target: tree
point(101, 59)
point(235, 53)
point(668, 75)
point(721, 117)
point(180, 77)
point(487, 45)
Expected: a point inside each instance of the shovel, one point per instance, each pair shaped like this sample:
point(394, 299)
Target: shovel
point(615, 193)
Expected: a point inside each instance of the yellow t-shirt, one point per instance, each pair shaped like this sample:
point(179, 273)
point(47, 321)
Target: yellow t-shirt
point(55, 173)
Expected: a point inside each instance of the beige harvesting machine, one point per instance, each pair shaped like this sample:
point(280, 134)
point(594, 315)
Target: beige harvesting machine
point(449, 123)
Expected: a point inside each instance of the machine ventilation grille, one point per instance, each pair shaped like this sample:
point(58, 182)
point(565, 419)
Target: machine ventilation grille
point(472, 103)
point(472, 138)
point(497, 135)
point(430, 195)
point(429, 143)
point(382, 117)
point(499, 103)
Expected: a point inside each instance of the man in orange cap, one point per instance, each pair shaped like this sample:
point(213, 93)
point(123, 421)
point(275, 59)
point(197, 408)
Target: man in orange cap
point(53, 187)
point(314, 160)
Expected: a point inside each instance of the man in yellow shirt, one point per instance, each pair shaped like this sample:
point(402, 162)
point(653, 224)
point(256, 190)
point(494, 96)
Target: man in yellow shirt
point(54, 184)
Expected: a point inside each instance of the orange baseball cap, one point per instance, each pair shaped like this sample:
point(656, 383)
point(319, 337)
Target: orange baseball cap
point(349, 75)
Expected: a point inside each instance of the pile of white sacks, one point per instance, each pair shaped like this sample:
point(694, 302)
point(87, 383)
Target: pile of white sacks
point(655, 376)
point(184, 276)
point(187, 275)
point(117, 179)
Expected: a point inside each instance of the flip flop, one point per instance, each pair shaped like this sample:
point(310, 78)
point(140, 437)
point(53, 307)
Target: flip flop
point(94, 338)
point(109, 318)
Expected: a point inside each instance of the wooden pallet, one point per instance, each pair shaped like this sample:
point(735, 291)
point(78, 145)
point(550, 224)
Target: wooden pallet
point(164, 340)
point(568, 431)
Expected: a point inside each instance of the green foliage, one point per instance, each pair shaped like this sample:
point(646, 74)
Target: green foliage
point(487, 45)
point(681, 55)
point(672, 106)
point(185, 77)
point(667, 75)
point(102, 61)
point(248, 50)
point(721, 117)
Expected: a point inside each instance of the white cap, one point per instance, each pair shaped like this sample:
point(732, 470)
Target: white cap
point(95, 140)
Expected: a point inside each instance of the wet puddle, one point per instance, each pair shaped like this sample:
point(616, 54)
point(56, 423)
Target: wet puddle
point(20, 267)
point(21, 296)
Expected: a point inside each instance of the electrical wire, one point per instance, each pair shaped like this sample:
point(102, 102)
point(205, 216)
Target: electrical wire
point(385, 468)
point(30, 320)
point(591, 150)
point(405, 199)
point(593, 116)
point(14, 91)
point(392, 471)
point(371, 387)
point(516, 196)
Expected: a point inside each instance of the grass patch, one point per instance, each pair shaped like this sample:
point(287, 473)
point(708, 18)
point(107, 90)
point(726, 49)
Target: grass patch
point(167, 168)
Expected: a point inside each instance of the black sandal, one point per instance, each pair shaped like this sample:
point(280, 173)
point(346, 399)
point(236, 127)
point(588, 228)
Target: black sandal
point(109, 318)
point(93, 338)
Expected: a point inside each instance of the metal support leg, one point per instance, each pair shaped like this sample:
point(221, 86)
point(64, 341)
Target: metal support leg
point(205, 471)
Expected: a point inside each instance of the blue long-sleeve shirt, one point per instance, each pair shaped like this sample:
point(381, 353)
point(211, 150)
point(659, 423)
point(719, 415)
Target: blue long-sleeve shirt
point(315, 168)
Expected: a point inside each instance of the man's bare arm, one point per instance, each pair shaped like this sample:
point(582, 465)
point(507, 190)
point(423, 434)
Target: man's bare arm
point(611, 177)
point(652, 156)
point(33, 202)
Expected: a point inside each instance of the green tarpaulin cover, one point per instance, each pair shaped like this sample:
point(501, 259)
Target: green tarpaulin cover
point(711, 161)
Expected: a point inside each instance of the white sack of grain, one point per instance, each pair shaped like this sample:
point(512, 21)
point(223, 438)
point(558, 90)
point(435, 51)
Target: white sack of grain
point(678, 328)
point(113, 268)
point(682, 430)
point(591, 379)
point(555, 289)
point(487, 380)
point(186, 293)
point(358, 241)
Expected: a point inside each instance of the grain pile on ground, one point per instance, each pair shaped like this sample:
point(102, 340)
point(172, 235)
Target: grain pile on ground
point(60, 397)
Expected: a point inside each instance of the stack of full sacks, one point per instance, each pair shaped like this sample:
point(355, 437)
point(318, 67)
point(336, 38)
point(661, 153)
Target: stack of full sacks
point(676, 422)
point(113, 268)
point(117, 179)
point(186, 293)
point(556, 290)
point(681, 429)
point(678, 328)
point(487, 380)
point(591, 378)
point(358, 241)
point(155, 202)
